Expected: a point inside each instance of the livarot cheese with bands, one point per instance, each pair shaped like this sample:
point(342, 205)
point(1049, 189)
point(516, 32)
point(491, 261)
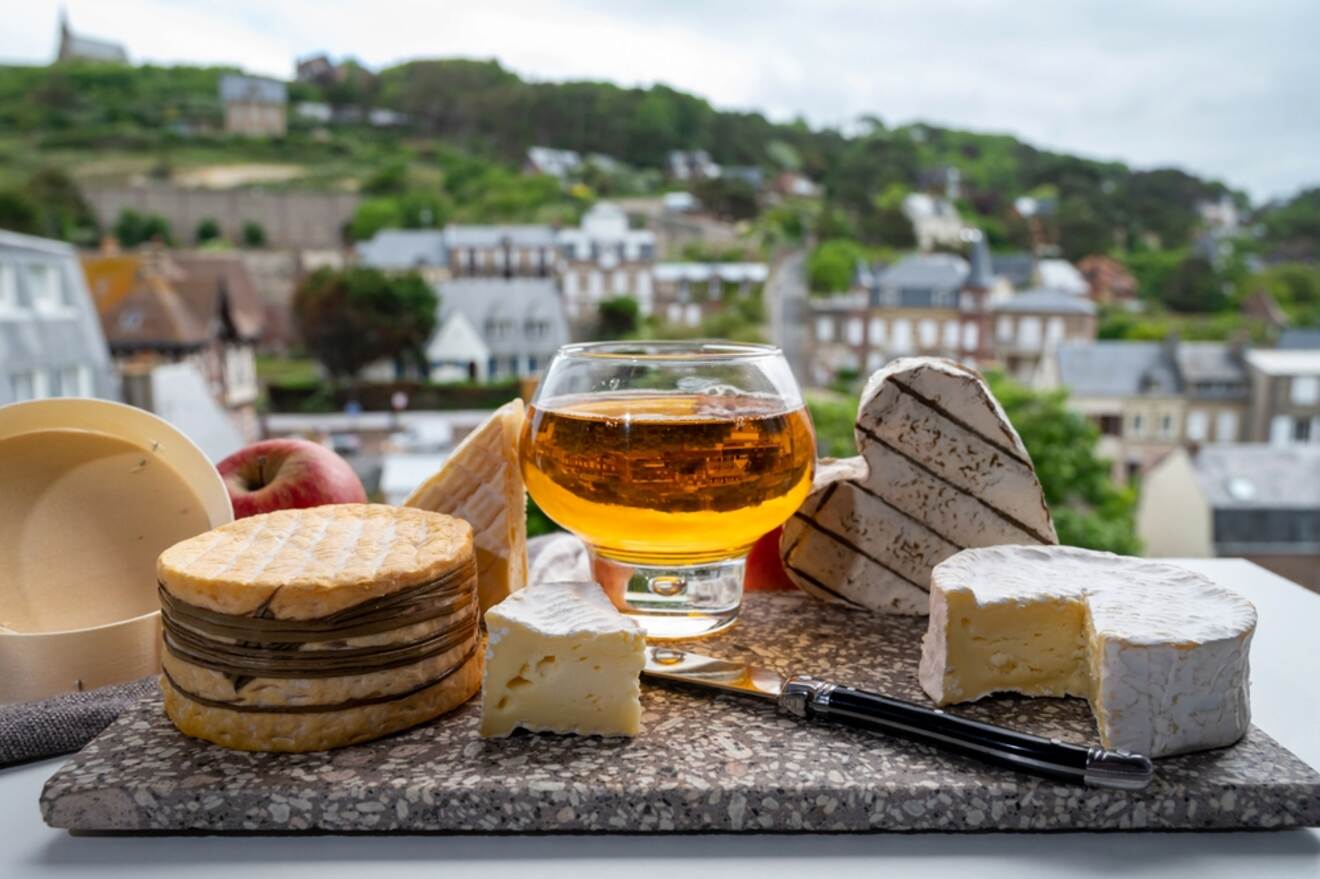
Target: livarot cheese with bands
point(302, 630)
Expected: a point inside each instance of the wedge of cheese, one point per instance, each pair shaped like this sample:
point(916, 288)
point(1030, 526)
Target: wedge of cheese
point(941, 469)
point(561, 659)
point(1159, 651)
point(481, 482)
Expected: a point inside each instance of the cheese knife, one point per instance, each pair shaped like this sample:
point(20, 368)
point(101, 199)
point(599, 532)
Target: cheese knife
point(812, 699)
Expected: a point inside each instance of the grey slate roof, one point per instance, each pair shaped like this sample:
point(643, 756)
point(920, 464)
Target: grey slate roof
point(235, 87)
point(1242, 475)
point(1016, 268)
point(1046, 300)
point(1108, 368)
point(494, 236)
point(404, 249)
point(1210, 362)
point(1115, 369)
point(1263, 499)
point(941, 271)
point(512, 315)
point(1296, 338)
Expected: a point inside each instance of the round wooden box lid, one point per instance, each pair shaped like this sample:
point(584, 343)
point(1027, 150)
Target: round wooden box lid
point(90, 493)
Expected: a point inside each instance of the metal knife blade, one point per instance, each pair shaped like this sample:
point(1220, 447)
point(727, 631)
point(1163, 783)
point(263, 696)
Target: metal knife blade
point(816, 700)
point(680, 666)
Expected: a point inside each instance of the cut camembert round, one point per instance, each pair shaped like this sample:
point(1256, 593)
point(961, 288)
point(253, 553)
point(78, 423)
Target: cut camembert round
point(1159, 651)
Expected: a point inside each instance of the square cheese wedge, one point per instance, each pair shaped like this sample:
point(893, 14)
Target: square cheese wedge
point(481, 483)
point(561, 658)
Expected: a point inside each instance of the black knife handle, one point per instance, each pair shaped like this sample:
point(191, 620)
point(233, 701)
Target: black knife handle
point(1049, 758)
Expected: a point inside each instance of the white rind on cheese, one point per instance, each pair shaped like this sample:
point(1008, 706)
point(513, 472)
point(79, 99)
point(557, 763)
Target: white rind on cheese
point(560, 658)
point(1160, 652)
point(481, 482)
point(941, 469)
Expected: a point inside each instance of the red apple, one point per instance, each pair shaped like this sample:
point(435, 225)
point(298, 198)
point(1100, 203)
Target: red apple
point(288, 474)
point(765, 570)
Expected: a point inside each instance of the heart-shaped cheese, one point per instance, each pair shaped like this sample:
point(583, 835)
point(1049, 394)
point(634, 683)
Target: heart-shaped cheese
point(941, 470)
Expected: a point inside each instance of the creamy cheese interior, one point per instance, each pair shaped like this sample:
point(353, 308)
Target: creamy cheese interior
point(562, 659)
point(1037, 648)
point(83, 516)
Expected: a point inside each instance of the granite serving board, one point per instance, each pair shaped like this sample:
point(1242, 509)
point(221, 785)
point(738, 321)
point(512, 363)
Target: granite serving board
point(702, 763)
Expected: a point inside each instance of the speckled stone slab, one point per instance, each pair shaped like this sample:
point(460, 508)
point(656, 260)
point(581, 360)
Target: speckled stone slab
point(702, 764)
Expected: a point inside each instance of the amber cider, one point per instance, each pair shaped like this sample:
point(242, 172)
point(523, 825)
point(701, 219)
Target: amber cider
point(668, 479)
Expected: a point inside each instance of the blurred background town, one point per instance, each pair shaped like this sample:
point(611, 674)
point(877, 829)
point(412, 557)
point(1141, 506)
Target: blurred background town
point(377, 256)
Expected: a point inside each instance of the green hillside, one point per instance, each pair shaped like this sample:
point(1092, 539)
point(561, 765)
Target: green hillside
point(472, 121)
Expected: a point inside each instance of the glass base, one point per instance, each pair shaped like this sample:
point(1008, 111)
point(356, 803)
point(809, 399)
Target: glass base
point(674, 602)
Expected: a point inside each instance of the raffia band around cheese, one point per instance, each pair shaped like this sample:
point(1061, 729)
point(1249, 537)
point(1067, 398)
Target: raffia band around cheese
point(396, 642)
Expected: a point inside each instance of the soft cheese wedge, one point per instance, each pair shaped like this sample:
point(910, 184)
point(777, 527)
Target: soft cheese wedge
point(1159, 651)
point(481, 483)
point(561, 659)
point(941, 469)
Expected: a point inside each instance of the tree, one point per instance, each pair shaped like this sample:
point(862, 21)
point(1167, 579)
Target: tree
point(1295, 286)
point(357, 316)
point(1089, 510)
point(1195, 287)
point(208, 230)
point(1154, 270)
point(133, 228)
point(254, 234)
point(375, 214)
point(727, 198)
point(17, 213)
point(832, 265)
point(389, 179)
point(62, 212)
point(618, 318)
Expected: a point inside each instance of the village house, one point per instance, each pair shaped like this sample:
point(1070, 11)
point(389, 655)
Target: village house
point(1061, 275)
point(1030, 325)
point(603, 258)
point(1149, 398)
point(199, 308)
point(254, 106)
point(692, 165)
point(490, 329)
point(935, 221)
point(1254, 501)
point(560, 164)
point(511, 251)
point(51, 342)
point(1285, 397)
point(686, 293)
point(914, 306)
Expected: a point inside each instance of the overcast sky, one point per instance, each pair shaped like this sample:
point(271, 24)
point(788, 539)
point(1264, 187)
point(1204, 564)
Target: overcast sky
point(1224, 88)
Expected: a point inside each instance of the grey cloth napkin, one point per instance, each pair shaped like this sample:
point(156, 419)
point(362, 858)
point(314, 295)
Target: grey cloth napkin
point(33, 730)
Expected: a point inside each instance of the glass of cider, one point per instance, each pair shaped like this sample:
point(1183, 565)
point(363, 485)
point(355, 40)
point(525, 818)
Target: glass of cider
point(669, 460)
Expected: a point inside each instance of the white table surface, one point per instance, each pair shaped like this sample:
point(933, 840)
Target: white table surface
point(1285, 699)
